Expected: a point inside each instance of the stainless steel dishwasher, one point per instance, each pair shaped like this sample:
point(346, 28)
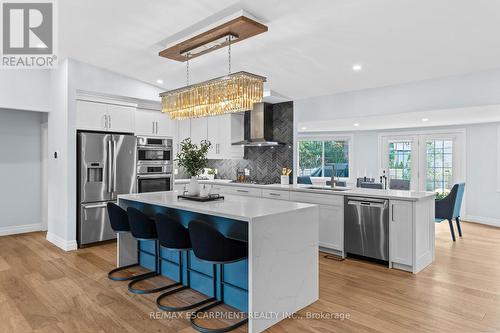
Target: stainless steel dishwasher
point(366, 227)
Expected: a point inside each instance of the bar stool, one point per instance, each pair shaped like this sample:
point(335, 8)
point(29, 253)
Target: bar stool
point(211, 246)
point(172, 235)
point(143, 228)
point(119, 223)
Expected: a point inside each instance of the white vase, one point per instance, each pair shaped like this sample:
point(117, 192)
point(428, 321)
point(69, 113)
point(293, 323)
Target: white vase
point(193, 187)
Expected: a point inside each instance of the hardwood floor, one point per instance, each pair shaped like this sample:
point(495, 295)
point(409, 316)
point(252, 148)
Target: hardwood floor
point(44, 289)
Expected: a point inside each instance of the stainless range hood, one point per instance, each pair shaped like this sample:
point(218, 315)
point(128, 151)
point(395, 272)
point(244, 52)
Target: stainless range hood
point(261, 128)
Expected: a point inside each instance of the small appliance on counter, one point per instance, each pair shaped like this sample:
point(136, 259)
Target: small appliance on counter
point(154, 164)
point(106, 169)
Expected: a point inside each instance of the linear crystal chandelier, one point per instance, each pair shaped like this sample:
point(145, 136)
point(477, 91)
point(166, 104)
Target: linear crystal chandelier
point(235, 92)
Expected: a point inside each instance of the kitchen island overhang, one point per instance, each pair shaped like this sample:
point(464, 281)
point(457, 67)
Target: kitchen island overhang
point(281, 272)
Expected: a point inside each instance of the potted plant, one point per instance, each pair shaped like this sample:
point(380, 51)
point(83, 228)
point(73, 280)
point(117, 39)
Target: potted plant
point(193, 159)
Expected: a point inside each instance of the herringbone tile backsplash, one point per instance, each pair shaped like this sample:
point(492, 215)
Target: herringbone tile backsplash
point(265, 163)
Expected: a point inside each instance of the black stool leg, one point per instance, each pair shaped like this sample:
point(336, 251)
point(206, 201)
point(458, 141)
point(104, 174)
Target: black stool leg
point(128, 278)
point(459, 227)
point(168, 293)
point(157, 272)
point(452, 230)
point(208, 307)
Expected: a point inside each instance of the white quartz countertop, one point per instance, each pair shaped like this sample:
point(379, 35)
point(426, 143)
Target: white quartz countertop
point(233, 206)
point(361, 192)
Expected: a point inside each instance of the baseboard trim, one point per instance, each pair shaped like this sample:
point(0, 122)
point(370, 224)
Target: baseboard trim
point(62, 243)
point(20, 229)
point(482, 220)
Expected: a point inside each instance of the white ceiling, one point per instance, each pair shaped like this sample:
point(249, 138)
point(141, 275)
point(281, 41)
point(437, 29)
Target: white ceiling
point(309, 49)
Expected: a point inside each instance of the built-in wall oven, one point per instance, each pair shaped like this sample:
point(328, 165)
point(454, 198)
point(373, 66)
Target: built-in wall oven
point(154, 164)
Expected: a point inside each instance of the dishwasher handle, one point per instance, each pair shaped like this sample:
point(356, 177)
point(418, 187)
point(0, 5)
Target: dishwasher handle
point(366, 204)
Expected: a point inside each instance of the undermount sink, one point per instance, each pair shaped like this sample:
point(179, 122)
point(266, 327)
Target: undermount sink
point(326, 188)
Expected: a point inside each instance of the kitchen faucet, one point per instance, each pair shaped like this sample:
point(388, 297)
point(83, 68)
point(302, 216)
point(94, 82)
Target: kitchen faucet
point(332, 180)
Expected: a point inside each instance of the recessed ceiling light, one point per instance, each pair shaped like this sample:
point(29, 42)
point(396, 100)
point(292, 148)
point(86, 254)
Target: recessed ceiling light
point(303, 128)
point(425, 119)
point(159, 81)
point(356, 124)
point(357, 68)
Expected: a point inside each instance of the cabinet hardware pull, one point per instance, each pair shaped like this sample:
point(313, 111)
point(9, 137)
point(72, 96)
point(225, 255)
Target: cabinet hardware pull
point(242, 191)
point(109, 121)
point(153, 127)
point(392, 208)
point(276, 194)
point(105, 122)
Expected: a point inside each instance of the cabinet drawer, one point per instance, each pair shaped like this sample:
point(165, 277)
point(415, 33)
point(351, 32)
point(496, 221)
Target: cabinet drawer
point(218, 189)
point(315, 198)
point(245, 191)
point(276, 194)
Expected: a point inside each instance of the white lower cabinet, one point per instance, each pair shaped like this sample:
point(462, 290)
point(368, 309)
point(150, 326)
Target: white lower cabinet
point(276, 194)
point(401, 232)
point(331, 218)
point(245, 191)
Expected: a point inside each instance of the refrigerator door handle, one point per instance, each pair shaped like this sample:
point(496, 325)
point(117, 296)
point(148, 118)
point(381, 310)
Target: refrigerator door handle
point(109, 170)
point(114, 165)
point(94, 206)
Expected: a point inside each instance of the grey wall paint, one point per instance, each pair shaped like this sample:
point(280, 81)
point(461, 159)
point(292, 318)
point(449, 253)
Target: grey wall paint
point(20, 168)
point(265, 163)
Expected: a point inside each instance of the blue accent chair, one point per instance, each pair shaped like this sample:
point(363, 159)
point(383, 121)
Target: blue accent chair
point(449, 208)
point(304, 180)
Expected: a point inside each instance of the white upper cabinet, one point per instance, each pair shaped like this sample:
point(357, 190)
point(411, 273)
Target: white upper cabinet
point(91, 116)
point(198, 130)
point(153, 123)
point(121, 118)
point(222, 132)
point(183, 132)
point(97, 116)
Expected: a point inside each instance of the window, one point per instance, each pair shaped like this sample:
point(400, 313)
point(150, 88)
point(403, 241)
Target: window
point(439, 166)
point(318, 157)
point(400, 160)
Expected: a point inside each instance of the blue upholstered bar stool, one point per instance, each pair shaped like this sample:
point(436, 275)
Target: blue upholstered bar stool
point(144, 228)
point(211, 246)
point(172, 235)
point(119, 223)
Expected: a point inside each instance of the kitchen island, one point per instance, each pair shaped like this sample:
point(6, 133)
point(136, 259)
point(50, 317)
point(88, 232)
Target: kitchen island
point(281, 273)
point(411, 216)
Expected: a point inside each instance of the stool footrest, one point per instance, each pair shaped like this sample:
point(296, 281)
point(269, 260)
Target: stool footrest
point(127, 278)
point(213, 330)
point(149, 291)
point(180, 308)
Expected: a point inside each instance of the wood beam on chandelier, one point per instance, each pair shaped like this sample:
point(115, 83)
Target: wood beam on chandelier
point(241, 27)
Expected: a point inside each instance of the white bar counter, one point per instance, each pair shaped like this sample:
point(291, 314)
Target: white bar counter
point(283, 275)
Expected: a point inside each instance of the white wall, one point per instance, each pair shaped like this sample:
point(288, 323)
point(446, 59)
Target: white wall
point(21, 189)
point(25, 90)
point(482, 195)
point(452, 92)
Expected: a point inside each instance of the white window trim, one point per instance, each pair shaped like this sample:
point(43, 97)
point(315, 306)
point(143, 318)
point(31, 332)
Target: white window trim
point(349, 137)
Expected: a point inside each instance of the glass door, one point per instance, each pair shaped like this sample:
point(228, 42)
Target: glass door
point(439, 165)
point(401, 160)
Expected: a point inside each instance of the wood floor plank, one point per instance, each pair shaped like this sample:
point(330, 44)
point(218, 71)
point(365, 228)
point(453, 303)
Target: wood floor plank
point(44, 289)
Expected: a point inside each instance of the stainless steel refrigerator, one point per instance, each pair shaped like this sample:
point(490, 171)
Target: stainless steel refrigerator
point(106, 168)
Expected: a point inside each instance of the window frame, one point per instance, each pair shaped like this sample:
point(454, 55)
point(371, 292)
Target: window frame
point(326, 137)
